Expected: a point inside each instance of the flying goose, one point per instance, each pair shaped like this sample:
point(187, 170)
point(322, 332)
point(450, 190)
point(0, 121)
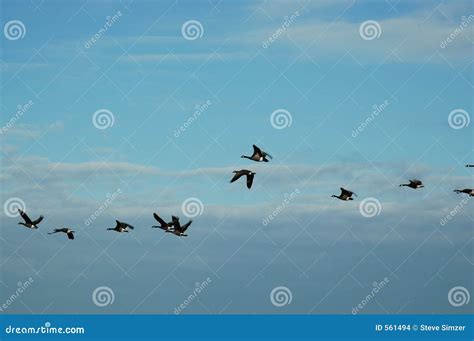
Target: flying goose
point(179, 229)
point(414, 184)
point(28, 223)
point(66, 230)
point(258, 155)
point(121, 227)
point(467, 191)
point(163, 225)
point(469, 165)
point(247, 173)
point(345, 195)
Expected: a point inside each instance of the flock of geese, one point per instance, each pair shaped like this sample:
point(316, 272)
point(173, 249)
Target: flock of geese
point(175, 227)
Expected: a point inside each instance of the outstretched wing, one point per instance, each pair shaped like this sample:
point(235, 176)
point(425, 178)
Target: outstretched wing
point(185, 226)
point(161, 221)
point(250, 180)
point(345, 192)
point(128, 226)
point(256, 150)
point(236, 176)
point(70, 235)
point(25, 217)
point(266, 154)
point(37, 221)
point(416, 182)
point(175, 222)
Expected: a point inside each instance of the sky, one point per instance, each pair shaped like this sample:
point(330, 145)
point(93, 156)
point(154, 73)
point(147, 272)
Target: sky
point(118, 109)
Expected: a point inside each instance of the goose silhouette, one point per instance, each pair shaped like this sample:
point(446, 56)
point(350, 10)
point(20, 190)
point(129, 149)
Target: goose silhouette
point(32, 224)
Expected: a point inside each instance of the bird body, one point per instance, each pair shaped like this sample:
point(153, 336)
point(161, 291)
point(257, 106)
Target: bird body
point(179, 229)
point(258, 155)
point(345, 195)
point(66, 230)
point(468, 191)
point(121, 227)
point(415, 184)
point(249, 174)
point(32, 224)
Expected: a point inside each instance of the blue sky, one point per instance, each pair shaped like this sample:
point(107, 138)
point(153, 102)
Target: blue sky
point(151, 79)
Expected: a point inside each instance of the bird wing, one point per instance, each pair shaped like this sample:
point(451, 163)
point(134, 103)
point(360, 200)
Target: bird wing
point(250, 180)
point(70, 235)
point(266, 154)
point(161, 221)
point(175, 222)
point(185, 226)
point(118, 224)
point(236, 176)
point(256, 150)
point(345, 192)
point(37, 221)
point(416, 182)
point(125, 225)
point(25, 217)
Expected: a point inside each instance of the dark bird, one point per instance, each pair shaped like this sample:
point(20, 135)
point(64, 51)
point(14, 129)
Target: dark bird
point(28, 222)
point(258, 155)
point(179, 229)
point(66, 230)
point(467, 191)
point(247, 173)
point(469, 165)
point(163, 225)
point(121, 227)
point(414, 184)
point(345, 195)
